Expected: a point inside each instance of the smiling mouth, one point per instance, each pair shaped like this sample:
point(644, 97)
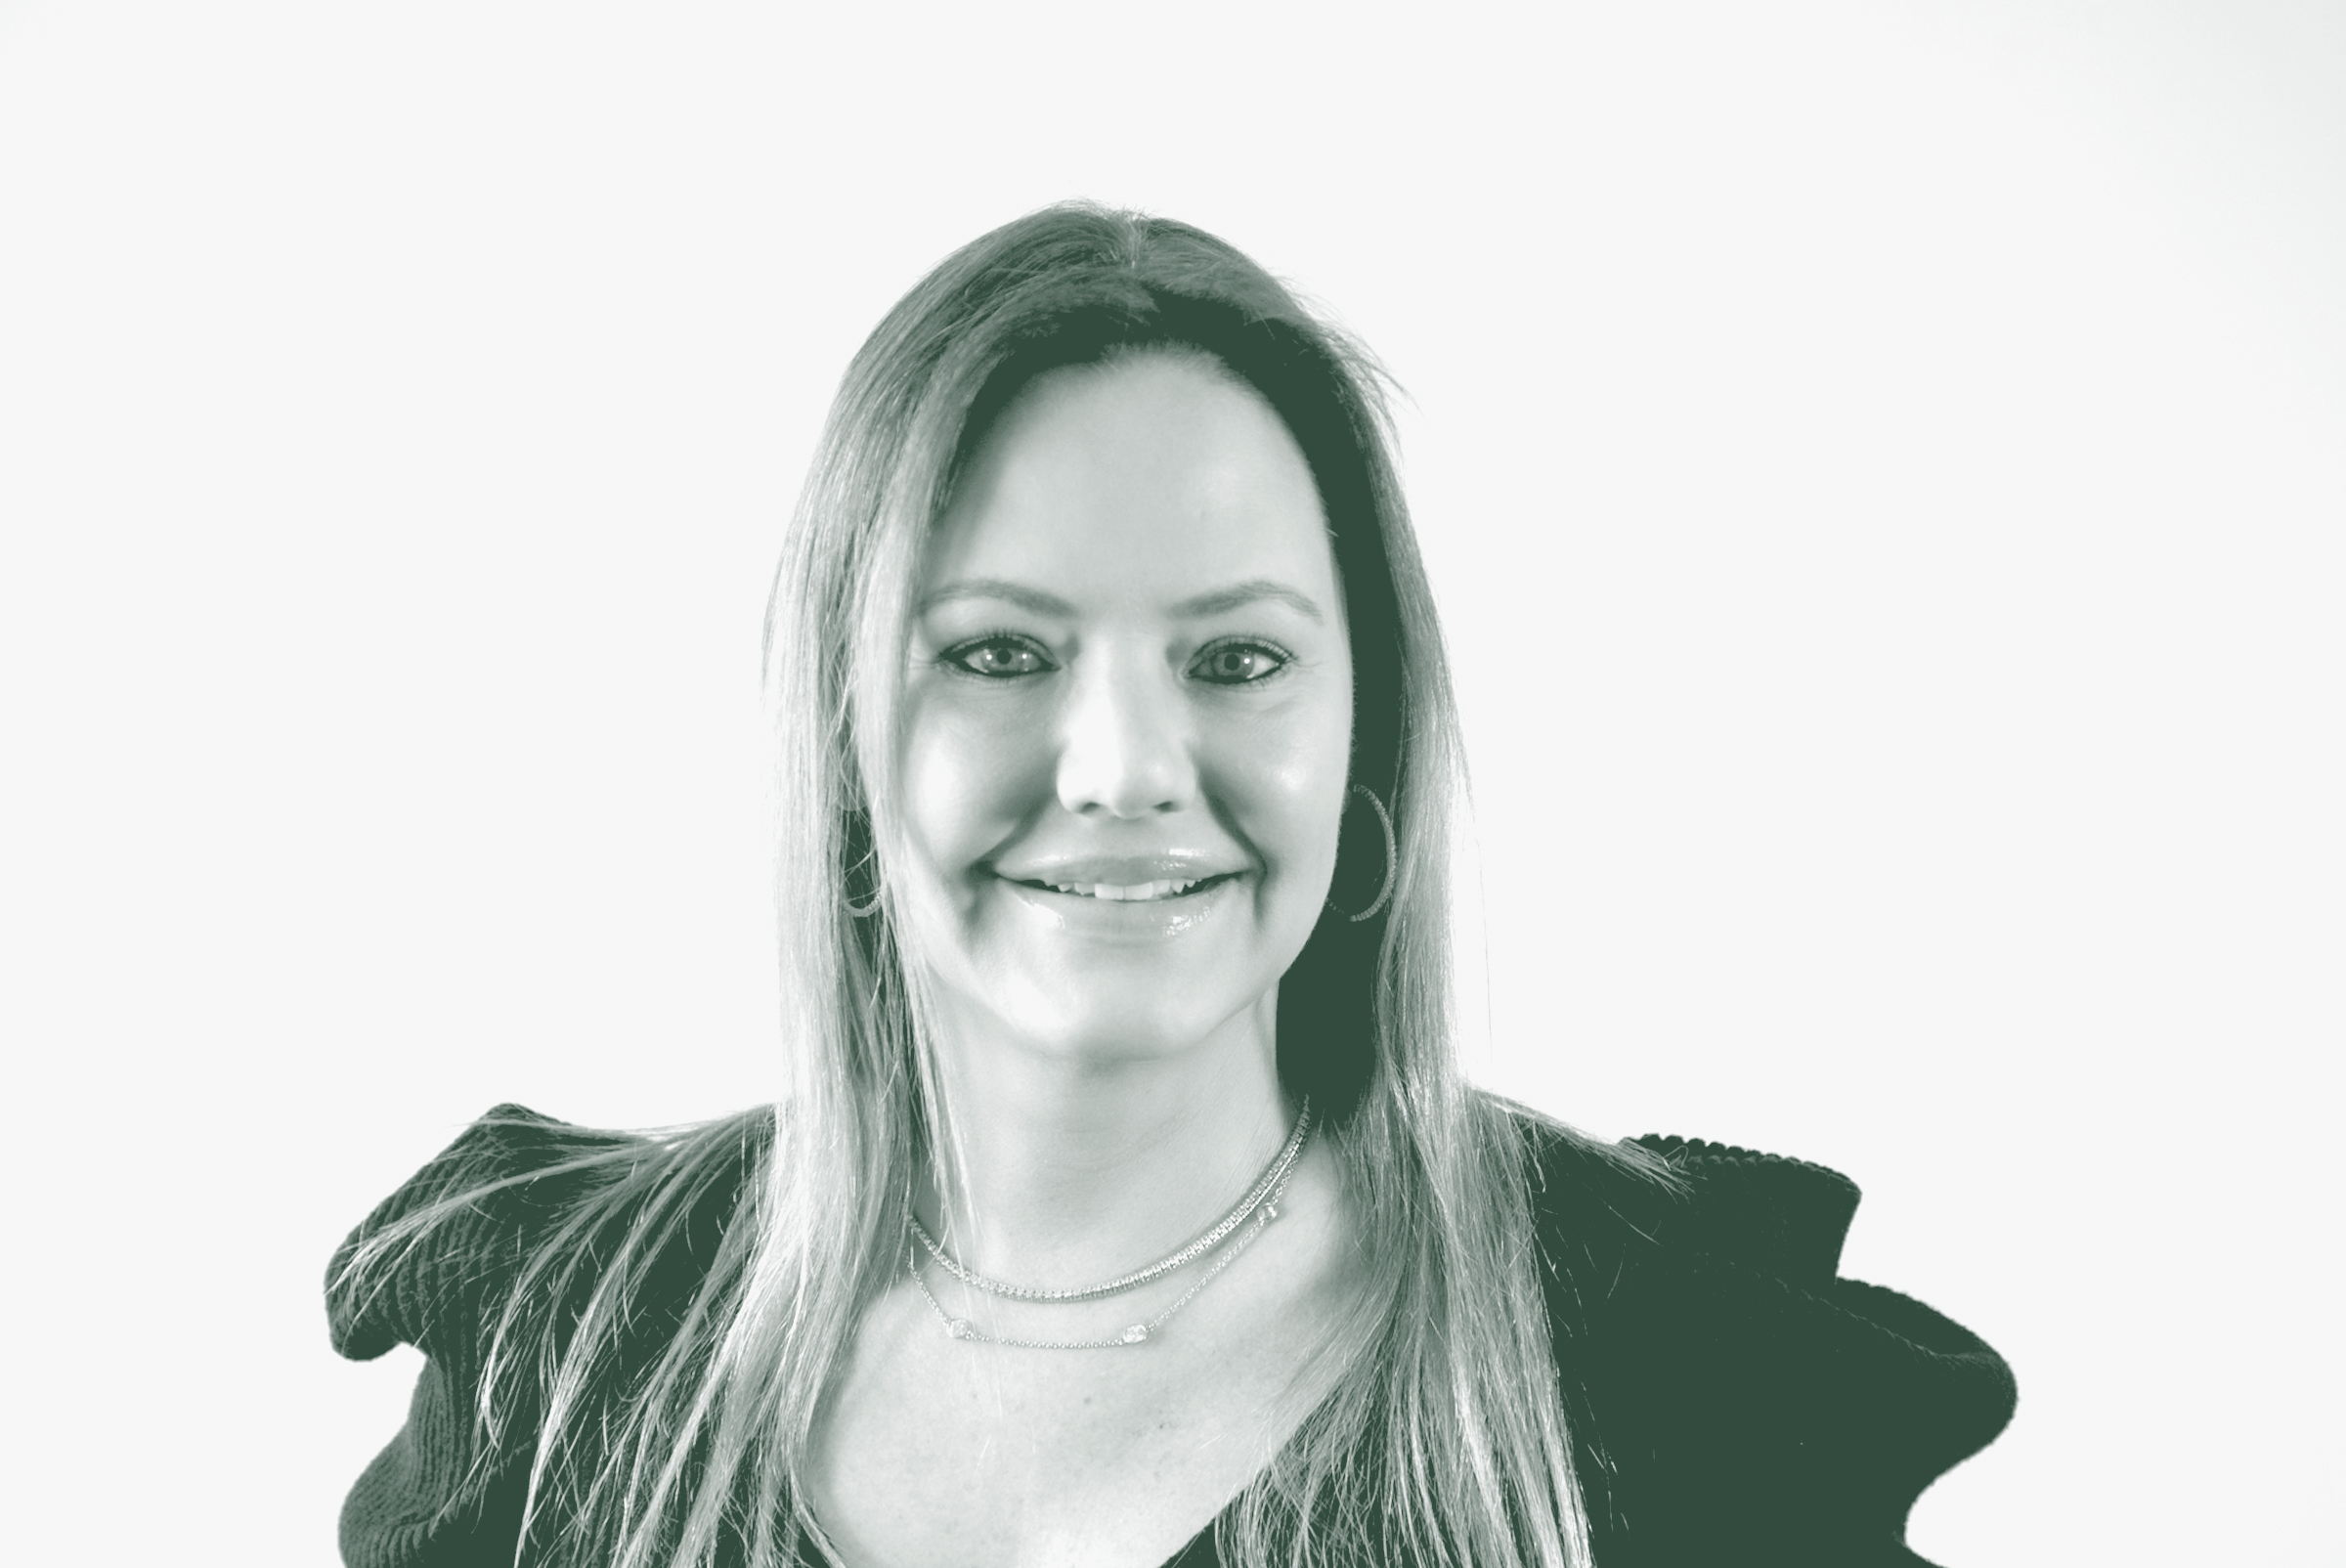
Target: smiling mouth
point(1133, 893)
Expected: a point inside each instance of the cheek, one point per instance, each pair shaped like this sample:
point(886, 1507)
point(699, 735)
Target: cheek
point(969, 777)
point(1287, 778)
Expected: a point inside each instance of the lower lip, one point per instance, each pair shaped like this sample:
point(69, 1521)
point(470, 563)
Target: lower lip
point(1129, 917)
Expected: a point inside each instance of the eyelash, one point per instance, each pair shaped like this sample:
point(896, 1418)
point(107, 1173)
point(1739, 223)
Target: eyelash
point(958, 656)
point(1250, 645)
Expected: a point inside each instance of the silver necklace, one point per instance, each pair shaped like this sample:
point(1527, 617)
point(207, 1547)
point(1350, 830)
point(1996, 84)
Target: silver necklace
point(1266, 1186)
point(1132, 1334)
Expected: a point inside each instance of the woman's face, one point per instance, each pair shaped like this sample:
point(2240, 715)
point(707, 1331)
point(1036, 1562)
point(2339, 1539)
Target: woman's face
point(1128, 715)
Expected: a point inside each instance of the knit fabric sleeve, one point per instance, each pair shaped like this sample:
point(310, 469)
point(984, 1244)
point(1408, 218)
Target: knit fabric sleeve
point(439, 1495)
point(1737, 1400)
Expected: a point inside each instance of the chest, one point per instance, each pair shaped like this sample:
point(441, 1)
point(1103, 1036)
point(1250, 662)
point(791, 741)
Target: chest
point(930, 1451)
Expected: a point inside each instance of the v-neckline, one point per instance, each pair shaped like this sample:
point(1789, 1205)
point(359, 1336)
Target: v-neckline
point(1199, 1552)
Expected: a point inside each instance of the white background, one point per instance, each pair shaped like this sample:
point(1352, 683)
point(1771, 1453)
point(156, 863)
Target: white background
point(1882, 466)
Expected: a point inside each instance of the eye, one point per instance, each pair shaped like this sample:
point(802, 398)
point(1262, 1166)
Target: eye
point(1237, 663)
point(999, 658)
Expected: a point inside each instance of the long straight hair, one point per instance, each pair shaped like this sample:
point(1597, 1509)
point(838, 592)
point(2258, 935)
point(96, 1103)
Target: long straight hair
point(1442, 1441)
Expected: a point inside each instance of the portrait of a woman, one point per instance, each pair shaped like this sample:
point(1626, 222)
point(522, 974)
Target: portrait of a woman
point(1128, 1204)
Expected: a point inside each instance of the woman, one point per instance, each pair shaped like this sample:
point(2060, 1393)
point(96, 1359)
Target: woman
point(1125, 1205)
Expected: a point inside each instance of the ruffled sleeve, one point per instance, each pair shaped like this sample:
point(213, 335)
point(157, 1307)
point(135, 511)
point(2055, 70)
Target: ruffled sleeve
point(437, 1497)
point(1739, 1402)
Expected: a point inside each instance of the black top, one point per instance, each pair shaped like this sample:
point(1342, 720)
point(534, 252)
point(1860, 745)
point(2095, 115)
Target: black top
point(1731, 1400)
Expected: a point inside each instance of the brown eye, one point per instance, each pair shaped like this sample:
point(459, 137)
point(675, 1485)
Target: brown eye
point(1236, 664)
point(999, 658)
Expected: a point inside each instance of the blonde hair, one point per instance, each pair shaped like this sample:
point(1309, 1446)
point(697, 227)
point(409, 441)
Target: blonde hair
point(1443, 1439)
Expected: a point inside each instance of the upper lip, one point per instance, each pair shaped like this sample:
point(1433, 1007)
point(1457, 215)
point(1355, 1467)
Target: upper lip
point(1119, 870)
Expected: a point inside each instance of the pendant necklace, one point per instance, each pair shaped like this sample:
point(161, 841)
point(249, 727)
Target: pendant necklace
point(1259, 1205)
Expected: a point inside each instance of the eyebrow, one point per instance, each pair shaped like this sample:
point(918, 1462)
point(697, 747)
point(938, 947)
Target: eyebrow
point(1036, 602)
point(1032, 600)
point(1246, 594)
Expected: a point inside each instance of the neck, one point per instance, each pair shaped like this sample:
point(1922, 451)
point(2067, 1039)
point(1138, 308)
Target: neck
point(1064, 1170)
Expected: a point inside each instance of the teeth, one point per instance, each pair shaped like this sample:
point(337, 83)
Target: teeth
point(1137, 892)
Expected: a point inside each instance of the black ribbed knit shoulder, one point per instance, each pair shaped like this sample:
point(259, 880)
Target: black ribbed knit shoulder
point(428, 1292)
point(439, 1495)
point(1733, 1399)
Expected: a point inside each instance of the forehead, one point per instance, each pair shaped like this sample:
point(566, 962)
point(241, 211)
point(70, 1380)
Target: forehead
point(1155, 477)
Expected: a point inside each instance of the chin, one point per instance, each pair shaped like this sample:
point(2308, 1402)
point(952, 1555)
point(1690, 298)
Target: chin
point(1118, 1022)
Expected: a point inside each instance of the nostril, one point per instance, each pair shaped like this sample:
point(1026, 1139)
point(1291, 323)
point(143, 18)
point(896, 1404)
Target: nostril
point(1127, 771)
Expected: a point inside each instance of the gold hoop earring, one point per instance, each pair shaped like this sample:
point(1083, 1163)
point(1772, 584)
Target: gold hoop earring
point(1384, 820)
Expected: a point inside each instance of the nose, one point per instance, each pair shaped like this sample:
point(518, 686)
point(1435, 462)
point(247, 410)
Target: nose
point(1125, 744)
